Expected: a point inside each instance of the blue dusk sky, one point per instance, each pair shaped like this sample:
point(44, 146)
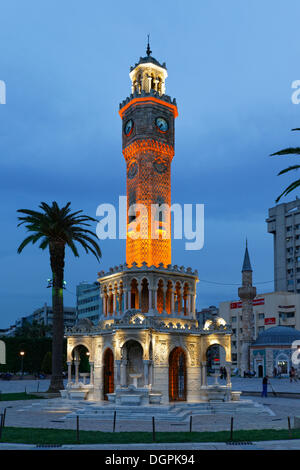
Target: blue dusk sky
point(66, 64)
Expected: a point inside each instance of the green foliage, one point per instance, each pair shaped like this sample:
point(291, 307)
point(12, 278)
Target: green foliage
point(33, 330)
point(67, 436)
point(59, 224)
point(46, 366)
point(295, 184)
point(35, 350)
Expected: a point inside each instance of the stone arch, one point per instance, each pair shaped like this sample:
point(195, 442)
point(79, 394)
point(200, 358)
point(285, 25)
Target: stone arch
point(83, 343)
point(177, 374)
point(134, 353)
point(215, 355)
point(108, 372)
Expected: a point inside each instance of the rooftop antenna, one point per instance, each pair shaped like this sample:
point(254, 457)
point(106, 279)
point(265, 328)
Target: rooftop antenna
point(148, 51)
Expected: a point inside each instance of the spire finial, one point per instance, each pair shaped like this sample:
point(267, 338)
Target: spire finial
point(148, 51)
point(246, 264)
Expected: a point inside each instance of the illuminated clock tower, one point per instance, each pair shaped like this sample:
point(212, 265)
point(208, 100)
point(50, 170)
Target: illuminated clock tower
point(148, 118)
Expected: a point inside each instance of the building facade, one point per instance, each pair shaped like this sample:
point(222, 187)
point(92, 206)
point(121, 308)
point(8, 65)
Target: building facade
point(284, 223)
point(273, 352)
point(44, 315)
point(269, 309)
point(88, 304)
point(148, 346)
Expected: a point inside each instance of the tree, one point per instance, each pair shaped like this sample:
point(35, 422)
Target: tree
point(46, 363)
point(33, 330)
point(57, 228)
point(289, 151)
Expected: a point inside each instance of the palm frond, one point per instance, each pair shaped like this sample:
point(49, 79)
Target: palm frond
point(290, 168)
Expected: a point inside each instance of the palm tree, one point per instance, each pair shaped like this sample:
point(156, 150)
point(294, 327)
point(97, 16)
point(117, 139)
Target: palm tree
point(289, 151)
point(57, 228)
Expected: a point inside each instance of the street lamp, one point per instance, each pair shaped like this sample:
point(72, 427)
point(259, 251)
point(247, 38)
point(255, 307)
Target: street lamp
point(22, 354)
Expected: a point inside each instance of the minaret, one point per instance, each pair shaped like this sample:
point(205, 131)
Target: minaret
point(148, 116)
point(246, 293)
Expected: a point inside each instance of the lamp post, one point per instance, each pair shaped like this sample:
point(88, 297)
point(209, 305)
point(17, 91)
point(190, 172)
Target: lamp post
point(22, 354)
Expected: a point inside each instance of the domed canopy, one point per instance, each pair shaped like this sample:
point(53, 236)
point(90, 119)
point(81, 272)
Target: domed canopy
point(277, 335)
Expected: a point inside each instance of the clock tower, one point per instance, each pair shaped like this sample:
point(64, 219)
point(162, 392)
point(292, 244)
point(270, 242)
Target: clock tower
point(148, 118)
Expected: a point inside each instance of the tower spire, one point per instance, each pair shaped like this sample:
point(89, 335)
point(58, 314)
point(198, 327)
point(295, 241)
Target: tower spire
point(148, 50)
point(246, 264)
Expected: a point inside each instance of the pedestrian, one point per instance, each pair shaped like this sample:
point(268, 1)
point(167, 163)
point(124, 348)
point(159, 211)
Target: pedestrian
point(221, 373)
point(279, 371)
point(225, 373)
point(275, 372)
point(264, 392)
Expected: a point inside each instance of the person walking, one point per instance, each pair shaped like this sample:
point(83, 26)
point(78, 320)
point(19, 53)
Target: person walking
point(224, 373)
point(265, 382)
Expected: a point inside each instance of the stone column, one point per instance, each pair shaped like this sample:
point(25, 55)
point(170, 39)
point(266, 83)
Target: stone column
point(204, 374)
point(114, 302)
point(76, 371)
point(118, 372)
point(69, 372)
point(91, 373)
point(164, 298)
point(172, 300)
point(155, 299)
point(123, 373)
point(228, 370)
point(146, 372)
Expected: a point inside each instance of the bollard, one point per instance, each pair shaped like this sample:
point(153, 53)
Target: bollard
point(114, 425)
point(289, 426)
point(191, 423)
point(1, 425)
point(4, 415)
point(77, 428)
point(38, 385)
point(153, 428)
point(231, 429)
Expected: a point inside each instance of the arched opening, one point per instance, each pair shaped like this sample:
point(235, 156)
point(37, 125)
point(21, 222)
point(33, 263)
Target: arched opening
point(216, 360)
point(108, 373)
point(186, 291)
point(178, 298)
point(169, 298)
point(135, 366)
point(110, 301)
point(260, 370)
point(160, 296)
point(134, 301)
point(145, 296)
point(80, 364)
point(177, 375)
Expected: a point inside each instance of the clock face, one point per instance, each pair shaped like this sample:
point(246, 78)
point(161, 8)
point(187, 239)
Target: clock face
point(162, 124)
point(128, 127)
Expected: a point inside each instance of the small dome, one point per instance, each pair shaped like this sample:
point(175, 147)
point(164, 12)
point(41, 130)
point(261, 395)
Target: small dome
point(277, 335)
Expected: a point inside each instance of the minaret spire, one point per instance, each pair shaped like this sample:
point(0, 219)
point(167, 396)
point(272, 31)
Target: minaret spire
point(246, 264)
point(148, 50)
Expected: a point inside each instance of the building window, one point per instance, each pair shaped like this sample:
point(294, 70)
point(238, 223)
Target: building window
point(261, 316)
point(233, 319)
point(261, 328)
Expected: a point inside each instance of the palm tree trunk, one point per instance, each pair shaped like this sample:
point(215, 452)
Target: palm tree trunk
point(57, 260)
